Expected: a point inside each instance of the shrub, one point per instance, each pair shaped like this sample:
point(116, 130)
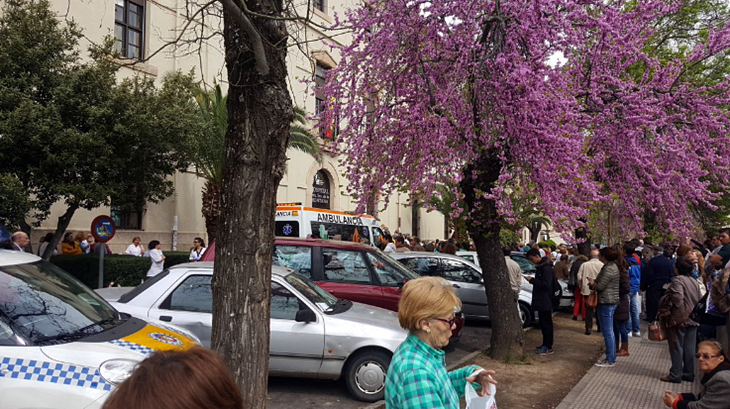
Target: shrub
point(126, 271)
point(548, 243)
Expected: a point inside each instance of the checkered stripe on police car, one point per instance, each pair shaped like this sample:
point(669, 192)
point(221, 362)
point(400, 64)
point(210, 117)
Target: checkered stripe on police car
point(50, 372)
point(132, 346)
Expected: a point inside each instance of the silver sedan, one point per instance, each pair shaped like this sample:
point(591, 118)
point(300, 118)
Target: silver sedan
point(467, 279)
point(313, 334)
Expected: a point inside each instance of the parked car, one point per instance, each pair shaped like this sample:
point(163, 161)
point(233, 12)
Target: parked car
point(313, 334)
point(566, 296)
point(353, 271)
point(63, 346)
point(466, 278)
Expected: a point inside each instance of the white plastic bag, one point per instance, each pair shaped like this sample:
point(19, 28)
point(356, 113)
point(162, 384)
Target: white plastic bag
point(474, 401)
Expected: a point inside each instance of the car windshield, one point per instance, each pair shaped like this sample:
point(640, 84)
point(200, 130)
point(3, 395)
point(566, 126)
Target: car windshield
point(44, 304)
point(313, 292)
point(397, 265)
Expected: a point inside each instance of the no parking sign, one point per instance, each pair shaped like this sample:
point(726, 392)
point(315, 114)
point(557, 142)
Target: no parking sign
point(103, 229)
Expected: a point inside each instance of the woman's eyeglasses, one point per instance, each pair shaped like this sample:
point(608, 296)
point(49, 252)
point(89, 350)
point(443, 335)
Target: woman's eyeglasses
point(705, 356)
point(450, 322)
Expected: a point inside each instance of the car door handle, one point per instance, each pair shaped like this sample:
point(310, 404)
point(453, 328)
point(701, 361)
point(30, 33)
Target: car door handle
point(331, 291)
point(456, 285)
point(166, 318)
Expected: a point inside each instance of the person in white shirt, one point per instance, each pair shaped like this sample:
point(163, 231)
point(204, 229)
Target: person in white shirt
point(157, 259)
point(198, 249)
point(135, 249)
point(589, 270)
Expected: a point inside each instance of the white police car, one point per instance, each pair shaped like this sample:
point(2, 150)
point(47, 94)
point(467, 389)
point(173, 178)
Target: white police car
point(63, 346)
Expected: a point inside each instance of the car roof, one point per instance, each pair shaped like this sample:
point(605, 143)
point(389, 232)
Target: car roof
point(312, 242)
point(430, 254)
point(208, 265)
point(12, 258)
point(209, 254)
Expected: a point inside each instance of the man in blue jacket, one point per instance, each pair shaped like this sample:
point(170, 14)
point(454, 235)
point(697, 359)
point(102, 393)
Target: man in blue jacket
point(657, 273)
point(634, 271)
point(542, 300)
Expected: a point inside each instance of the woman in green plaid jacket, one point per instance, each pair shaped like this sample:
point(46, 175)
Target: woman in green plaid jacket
point(417, 376)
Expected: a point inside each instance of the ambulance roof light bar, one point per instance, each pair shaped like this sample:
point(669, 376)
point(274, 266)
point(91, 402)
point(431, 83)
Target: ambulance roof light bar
point(290, 204)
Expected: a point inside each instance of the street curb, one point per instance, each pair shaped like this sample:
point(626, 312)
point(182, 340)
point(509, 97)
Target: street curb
point(460, 362)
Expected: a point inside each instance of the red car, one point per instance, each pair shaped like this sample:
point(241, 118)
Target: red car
point(353, 271)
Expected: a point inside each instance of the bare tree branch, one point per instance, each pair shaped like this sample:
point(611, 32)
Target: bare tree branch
point(257, 44)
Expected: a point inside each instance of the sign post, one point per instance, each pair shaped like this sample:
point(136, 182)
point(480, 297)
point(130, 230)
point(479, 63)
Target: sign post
point(103, 229)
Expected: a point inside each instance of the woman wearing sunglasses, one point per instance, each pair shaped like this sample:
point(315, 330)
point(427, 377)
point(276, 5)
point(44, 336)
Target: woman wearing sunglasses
point(715, 392)
point(417, 377)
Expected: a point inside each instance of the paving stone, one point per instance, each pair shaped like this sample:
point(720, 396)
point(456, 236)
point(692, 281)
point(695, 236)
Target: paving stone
point(633, 382)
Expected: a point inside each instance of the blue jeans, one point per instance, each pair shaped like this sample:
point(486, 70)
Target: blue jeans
point(605, 317)
point(634, 324)
point(621, 331)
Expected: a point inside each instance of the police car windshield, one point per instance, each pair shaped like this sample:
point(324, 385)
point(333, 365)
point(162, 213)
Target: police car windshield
point(44, 304)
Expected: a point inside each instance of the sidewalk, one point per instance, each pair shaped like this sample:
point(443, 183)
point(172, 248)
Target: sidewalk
point(633, 382)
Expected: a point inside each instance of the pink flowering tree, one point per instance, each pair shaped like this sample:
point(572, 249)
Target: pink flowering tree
point(551, 99)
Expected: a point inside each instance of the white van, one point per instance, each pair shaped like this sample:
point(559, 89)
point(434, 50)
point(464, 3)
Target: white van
point(295, 220)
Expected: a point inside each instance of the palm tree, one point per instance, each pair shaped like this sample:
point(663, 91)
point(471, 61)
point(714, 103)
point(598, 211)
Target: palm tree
point(208, 155)
point(534, 225)
point(442, 201)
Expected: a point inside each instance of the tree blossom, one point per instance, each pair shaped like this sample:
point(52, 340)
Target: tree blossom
point(471, 91)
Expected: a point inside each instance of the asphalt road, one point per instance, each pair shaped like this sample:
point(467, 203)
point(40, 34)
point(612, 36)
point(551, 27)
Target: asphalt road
point(308, 393)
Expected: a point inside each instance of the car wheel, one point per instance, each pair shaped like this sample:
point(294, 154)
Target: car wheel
point(365, 375)
point(525, 315)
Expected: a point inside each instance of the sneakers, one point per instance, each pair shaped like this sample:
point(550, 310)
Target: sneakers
point(605, 364)
point(546, 352)
point(629, 335)
point(636, 334)
point(540, 349)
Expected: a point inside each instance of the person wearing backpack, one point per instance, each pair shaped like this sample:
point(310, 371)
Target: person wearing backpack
point(634, 271)
point(543, 295)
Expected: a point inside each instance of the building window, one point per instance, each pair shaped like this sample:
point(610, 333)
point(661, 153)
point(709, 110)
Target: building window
point(319, 5)
point(328, 123)
point(129, 28)
point(127, 220)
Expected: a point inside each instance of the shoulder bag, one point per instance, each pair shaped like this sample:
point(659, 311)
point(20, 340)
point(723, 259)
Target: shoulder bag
point(592, 300)
point(701, 315)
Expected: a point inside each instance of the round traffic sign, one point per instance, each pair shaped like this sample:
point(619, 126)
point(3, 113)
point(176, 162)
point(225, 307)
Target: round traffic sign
point(103, 228)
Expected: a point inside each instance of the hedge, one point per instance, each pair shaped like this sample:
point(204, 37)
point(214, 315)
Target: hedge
point(120, 269)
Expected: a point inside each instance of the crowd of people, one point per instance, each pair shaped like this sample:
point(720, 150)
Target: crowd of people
point(83, 243)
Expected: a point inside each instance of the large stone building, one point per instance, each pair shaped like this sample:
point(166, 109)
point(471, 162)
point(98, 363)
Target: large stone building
point(142, 29)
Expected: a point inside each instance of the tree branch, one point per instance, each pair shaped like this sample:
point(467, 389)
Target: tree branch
point(257, 45)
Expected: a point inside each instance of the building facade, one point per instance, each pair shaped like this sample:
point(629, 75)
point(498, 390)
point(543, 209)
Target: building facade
point(157, 37)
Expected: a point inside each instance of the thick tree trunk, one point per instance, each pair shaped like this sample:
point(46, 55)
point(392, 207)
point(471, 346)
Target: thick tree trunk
point(63, 221)
point(259, 111)
point(535, 233)
point(584, 242)
point(507, 334)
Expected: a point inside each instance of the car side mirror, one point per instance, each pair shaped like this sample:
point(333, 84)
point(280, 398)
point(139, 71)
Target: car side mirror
point(306, 316)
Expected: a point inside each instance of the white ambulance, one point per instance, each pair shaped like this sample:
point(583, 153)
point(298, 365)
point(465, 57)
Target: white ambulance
point(295, 220)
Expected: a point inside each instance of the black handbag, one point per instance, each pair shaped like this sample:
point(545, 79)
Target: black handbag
point(699, 314)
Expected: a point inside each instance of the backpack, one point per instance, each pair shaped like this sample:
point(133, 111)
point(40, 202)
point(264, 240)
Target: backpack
point(556, 293)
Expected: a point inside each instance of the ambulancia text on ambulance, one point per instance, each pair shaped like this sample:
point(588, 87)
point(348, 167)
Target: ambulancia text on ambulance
point(61, 345)
point(295, 220)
